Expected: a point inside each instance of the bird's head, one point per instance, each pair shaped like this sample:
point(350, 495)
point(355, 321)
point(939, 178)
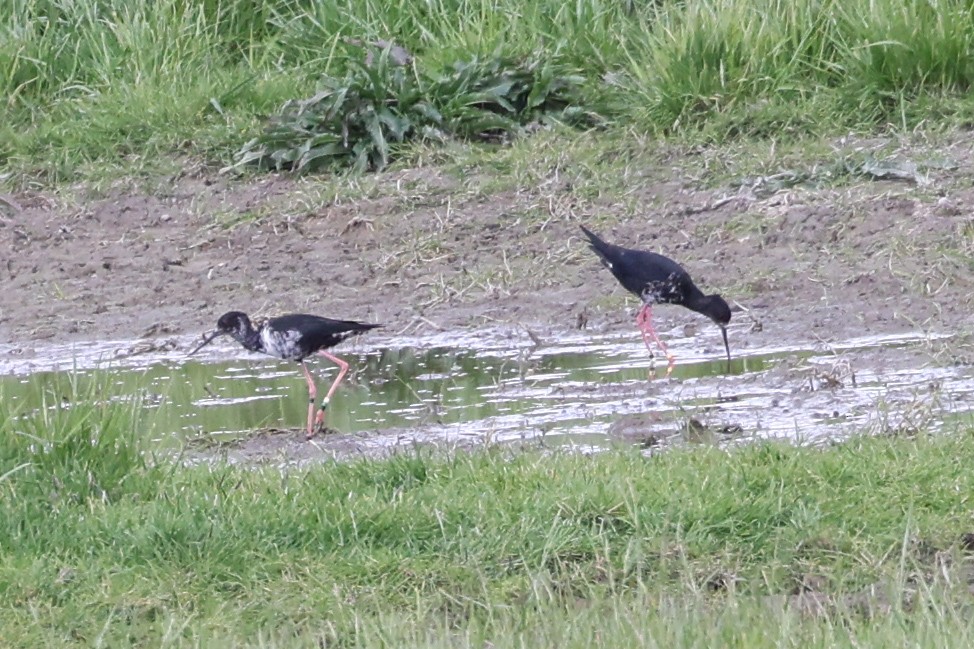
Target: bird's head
point(717, 310)
point(235, 324)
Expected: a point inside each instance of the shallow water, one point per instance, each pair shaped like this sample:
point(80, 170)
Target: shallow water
point(499, 386)
point(385, 388)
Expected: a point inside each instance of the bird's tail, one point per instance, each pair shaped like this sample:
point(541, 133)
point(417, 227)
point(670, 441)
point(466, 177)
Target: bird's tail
point(359, 327)
point(602, 248)
point(351, 328)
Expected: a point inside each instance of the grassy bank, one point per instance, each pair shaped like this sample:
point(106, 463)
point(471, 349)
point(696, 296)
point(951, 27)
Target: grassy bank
point(100, 545)
point(104, 83)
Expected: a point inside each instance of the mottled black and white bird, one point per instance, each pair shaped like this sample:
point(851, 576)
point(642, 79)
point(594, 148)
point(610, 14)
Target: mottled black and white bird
point(659, 280)
point(293, 337)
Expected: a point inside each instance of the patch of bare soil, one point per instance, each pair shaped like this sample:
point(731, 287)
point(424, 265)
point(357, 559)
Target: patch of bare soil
point(423, 253)
point(426, 250)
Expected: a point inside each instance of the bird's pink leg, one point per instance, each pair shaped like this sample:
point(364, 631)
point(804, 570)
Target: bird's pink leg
point(644, 320)
point(324, 402)
point(312, 393)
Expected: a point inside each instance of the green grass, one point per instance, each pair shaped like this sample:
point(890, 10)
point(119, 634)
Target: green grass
point(102, 545)
point(91, 84)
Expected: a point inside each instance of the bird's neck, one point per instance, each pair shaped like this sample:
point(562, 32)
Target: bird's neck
point(249, 337)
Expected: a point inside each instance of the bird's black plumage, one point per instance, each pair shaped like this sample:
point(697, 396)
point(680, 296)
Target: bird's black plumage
point(292, 337)
point(658, 280)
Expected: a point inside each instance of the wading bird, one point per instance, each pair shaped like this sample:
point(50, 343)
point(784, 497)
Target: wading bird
point(293, 338)
point(659, 280)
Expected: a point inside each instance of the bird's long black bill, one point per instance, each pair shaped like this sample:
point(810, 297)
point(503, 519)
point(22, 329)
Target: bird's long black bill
point(206, 341)
point(723, 332)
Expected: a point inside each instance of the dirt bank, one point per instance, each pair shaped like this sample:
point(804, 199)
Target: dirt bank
point(427, 248)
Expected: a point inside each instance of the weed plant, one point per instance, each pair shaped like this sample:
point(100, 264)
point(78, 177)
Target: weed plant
point(379, 104)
